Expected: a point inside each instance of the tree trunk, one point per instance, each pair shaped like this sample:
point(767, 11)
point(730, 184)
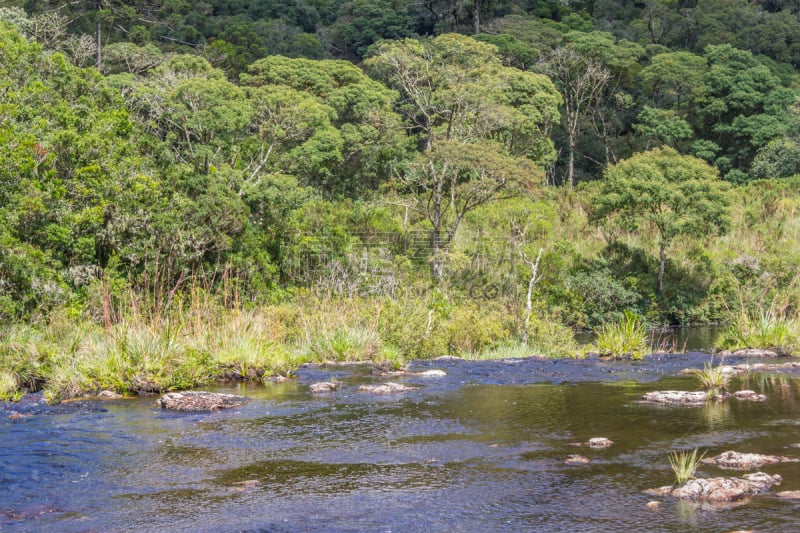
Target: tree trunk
point(529, 302)
point(662, 253)
point(98, 34)
point(571, 165)
point(436, 233)
point(477, 16)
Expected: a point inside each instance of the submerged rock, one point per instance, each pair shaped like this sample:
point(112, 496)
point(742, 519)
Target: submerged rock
point(200, 401)
point(789, 494)
point(386, 388)
point(744, 368)
point(576, 460)
point(746, 461)
point(246, 485)
point(756, 352)
point(749, 395)
point(653, 505)
point(324, 386)
point(435, 373)
point(721, 489)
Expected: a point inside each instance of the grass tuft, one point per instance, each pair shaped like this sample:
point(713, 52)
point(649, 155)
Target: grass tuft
point(627, 338)
point(684, 464)
point(766, 330)
point(712, 379)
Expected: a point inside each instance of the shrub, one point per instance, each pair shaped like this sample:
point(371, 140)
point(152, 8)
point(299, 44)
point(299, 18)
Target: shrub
point(621, 339)
point(767, 330)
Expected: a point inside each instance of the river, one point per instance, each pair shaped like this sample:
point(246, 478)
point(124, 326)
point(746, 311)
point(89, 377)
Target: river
point(481, 449)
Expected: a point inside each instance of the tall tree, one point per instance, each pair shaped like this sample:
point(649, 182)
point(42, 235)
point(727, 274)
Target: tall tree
point(662, 191)
point(581, 81)
point(476, 120)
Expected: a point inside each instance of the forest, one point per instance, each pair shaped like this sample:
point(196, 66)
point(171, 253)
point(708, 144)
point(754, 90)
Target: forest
point(196, 189)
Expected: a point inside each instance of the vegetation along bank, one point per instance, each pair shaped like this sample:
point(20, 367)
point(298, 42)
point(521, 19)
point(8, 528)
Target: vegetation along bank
point(191, 191)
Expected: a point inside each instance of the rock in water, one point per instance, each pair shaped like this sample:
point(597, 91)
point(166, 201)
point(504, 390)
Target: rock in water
point(750, 395)
point(600, 442)
point(200, 401)
point(323, 387)
point(746, 461)
point(722, 489)
point(576, 460)
point(386, 388)
point(676, 397)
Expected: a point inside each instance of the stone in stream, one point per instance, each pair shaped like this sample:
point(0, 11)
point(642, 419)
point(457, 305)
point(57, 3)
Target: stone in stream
point(109, 395)
point(576, 460)
point(677, 397)
point(746, 461)
point(435, 373)
point(600, 442)
point(324, 386)
point(789, 494)
point(749, 395)
point(720, 489)
point(386, 388)
point(200, 401)
point(699, 397)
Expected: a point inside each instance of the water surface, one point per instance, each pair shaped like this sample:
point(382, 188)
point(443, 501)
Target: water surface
point(481, 449)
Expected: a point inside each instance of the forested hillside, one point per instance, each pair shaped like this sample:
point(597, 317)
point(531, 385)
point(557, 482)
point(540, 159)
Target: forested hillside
point(454, 174)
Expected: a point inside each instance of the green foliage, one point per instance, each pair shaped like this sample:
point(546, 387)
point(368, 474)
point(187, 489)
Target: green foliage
point(627, 338)
point(779, 158)
point(665, 192)
point(712, 379)
point(684, 465)
point(766, 330)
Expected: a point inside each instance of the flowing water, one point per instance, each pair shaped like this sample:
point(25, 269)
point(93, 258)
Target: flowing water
point(481, 449)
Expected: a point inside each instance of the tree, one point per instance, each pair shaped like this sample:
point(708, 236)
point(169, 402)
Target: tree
point(674, 195)
point(481, 126)
point(454, 178)
point(581, 82)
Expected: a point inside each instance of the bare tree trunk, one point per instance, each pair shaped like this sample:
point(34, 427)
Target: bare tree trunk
point(528, 301)
point(477, 16)
point(436, 233)
point(662, 253)
point(571, 165)
point(98, 35)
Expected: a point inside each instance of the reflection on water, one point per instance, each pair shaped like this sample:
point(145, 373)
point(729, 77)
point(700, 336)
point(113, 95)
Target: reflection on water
point(482, 449)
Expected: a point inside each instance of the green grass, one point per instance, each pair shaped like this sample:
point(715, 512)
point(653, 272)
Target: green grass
point(627, 338)
point(684, 465)
point(765, 330)
point(712, 379)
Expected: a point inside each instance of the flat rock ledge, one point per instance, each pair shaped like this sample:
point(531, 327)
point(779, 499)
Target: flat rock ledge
point(738, 370)
point(434, 373)
point(386, 388)
point(324, 387)
point(746, 461)
point(720, 489)
point(755, 352)
point(200, 401)
point(674, 397)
